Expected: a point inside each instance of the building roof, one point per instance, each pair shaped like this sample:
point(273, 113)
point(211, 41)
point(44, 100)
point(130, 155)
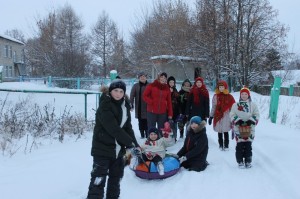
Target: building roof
point(176, 57)
point(11, 39)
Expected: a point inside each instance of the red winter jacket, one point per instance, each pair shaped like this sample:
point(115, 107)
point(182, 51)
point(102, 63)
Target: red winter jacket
point(158, 98)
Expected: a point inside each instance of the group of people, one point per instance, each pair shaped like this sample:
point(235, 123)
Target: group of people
point(161, 111)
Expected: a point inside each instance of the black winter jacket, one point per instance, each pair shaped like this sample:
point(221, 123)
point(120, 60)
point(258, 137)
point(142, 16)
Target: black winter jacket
point(195, 147)
point(107, 130)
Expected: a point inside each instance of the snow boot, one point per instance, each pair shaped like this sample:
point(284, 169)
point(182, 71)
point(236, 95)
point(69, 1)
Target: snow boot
point(220, 140)
point(241, 165)
point(160, 168)
point(226, 141)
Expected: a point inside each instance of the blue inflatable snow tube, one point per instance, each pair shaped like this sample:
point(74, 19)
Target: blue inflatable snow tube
point(149, 171)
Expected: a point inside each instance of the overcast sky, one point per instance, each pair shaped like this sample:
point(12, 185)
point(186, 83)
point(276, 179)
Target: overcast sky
point(22, 14)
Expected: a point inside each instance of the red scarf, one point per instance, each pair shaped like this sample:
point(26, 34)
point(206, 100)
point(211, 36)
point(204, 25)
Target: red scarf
point(197, 92)
point(224, 103)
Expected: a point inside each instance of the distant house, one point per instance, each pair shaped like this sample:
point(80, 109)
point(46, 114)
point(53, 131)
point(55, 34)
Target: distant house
point(11, 57)
point(179, 66)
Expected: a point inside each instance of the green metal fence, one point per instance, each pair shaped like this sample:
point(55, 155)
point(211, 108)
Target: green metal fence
point(85, 93)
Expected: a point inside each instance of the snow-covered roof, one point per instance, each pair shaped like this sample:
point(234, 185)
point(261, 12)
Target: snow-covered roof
point(176, 57)
point(288, 77)
point(11, 39)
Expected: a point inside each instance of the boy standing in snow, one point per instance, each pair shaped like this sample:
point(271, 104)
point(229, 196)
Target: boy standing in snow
point(245, 116)
point(154, 148)
point(192, 155)
point(113, 134)
point(221, 104)
point(184, 94)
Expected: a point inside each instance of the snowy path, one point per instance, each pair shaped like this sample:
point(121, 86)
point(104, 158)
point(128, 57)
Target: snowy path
point(61, 171)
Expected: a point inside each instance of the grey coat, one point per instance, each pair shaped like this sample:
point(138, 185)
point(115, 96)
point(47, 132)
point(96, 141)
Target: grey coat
point(136, 94)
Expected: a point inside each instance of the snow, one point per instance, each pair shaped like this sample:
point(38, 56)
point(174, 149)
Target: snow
point(288, 77)
point(11, 39)
point(62, 170)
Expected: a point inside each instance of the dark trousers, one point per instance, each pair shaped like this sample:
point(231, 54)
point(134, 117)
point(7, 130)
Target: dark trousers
point(143, 127)
point(155, 159)
point(103, 167)
point(225, 142)
point(243, 151)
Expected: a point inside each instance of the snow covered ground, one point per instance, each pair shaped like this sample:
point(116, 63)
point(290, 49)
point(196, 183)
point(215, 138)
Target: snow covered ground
point(62, 170)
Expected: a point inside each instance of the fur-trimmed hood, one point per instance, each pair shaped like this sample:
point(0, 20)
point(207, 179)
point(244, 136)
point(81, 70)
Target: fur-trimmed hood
point(199, 128)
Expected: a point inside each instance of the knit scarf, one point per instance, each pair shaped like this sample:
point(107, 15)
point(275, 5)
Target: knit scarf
point(197, 92)
point(224, 103)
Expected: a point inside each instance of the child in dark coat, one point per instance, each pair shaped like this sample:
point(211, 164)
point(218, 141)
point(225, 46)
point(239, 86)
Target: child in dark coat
point(192, 155)
point(175, 104)
point(113, 135)
point(183, 98)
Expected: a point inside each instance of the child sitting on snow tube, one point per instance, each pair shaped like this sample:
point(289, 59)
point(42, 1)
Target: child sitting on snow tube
point(154, 151)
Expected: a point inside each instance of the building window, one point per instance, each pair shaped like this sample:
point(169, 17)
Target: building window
point(10, 71)
point(6, 50)
point(10, 51)
point(15, 56)
point(6, 71)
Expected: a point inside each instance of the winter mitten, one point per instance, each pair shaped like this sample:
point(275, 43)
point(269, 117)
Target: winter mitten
point(250, 122)
point(239, 122)
point(182, 159)
point(171, 123)
point(210, 120)
point(136, 151)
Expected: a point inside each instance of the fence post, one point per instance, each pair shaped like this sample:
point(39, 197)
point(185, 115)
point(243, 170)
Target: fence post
point(78, 83)
point(50, 81)
point(85, 106)
point(291, 90)
point(275, 92)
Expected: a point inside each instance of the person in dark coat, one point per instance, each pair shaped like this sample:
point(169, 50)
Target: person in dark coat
point(113, 135)
point(175, 104)
point(137, 103)
point(198, 101)
point(183, 97)
point(157, 95)
point(192, 155)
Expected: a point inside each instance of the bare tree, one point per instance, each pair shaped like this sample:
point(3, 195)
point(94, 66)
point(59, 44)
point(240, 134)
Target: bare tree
point(166, 30)
point(104, 37)
point(60, 48)
point(235, 36)
point(15, 33)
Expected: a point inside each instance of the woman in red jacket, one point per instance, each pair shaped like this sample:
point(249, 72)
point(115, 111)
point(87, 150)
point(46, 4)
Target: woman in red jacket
point(157, 95)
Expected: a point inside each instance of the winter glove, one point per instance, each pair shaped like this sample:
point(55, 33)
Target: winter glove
point(250, 122)
point(136, 151)
point(210, 120)
point(127, 155)
point(182, 159)
point(174, 155)
point(171, 123)
point(239, 122)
